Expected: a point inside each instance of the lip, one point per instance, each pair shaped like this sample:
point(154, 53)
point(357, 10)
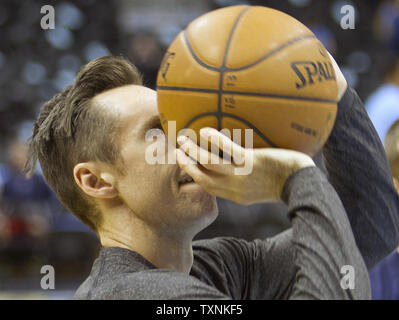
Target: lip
point(185, 184)
point(189, 187)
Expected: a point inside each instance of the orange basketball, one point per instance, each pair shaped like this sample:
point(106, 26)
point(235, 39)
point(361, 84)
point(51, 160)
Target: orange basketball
point(250, 67)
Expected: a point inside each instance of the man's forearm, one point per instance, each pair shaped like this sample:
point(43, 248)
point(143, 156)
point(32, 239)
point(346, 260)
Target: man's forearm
point(359, 171)
point(323, 240)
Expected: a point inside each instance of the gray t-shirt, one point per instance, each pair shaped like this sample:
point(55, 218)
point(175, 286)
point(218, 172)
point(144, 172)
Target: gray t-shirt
point(308, 261)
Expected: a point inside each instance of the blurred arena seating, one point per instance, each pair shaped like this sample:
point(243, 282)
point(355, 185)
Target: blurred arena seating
point(35, 229)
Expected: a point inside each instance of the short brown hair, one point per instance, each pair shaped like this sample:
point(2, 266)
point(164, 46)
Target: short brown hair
point(71, 129)
point(392, 148)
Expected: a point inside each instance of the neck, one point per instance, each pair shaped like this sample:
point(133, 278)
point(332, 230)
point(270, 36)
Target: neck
point(164, 249)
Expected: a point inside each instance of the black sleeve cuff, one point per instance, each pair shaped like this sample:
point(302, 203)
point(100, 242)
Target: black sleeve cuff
point(300, 180)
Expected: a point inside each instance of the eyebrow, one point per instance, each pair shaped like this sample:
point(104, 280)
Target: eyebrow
point(152, 122)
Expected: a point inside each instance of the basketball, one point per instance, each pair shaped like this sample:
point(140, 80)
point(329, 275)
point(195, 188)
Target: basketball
point(250, 67)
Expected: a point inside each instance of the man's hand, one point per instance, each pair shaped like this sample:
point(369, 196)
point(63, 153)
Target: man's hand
point(271, 167)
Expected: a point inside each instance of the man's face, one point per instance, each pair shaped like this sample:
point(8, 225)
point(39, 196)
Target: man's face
point(154, 192)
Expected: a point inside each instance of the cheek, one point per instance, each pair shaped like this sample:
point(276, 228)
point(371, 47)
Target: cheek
point(149, 185)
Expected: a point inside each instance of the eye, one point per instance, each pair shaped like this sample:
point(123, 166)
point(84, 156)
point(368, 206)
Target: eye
point(153, 132)
point(153, 128)
point(158, 126)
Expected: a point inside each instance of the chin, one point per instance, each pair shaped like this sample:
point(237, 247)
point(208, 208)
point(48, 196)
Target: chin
point(207, 214)
point(200, 211)
point(211, 211)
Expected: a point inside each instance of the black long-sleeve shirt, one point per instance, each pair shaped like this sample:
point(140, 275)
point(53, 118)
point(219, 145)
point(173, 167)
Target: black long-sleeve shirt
point(359, 171)
point(304, 262)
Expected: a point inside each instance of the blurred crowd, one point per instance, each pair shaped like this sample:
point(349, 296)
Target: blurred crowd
point(35, 229)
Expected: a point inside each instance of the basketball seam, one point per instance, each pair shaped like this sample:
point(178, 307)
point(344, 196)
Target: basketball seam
point(266, 56)
point(221, 72)
point(226, 114)
point(249, 124)
point(272, 52)
point(246, 93)
point(230, 115)
point(279, 96)
point(194, 55)
point(233, 28)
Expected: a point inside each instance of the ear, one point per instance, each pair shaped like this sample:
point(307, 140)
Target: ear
point(94, 180)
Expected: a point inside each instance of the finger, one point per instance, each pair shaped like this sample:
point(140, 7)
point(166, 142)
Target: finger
point(207, 159)
point(233, 150)
point(211, 182)
point(192, 169)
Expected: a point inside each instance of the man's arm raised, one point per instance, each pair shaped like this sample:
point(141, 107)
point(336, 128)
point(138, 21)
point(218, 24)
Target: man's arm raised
point(359, 171)
point(303, 263)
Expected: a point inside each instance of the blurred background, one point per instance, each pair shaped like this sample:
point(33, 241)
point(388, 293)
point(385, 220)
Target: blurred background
point(35, 229)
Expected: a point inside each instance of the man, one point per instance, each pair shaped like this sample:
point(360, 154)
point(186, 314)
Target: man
point(383, 104)
point(384, 278)
point(27, 206)
point(90, 141)
point(392, 151)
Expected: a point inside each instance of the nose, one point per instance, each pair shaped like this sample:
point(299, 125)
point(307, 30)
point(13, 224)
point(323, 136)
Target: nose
point(171, 146)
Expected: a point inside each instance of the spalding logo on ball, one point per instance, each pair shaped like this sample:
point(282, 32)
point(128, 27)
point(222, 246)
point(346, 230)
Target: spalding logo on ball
point(250, 67)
